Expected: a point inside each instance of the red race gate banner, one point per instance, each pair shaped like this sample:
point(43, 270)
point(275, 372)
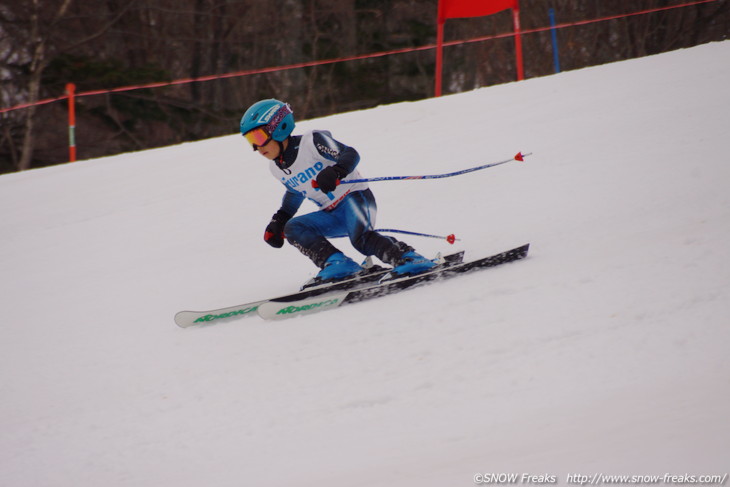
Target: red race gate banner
point(450, 9)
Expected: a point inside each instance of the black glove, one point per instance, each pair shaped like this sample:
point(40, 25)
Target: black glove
point(329, 177)
point(274, 234)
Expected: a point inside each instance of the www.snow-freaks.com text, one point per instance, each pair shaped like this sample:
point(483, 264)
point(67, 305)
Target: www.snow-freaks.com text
point(597, 479)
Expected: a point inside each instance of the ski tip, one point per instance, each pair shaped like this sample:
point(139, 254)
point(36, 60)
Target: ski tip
point(524, 250)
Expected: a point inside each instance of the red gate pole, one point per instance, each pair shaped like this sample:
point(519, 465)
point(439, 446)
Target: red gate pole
point(71, 90)
point(440, 20)
point(518, 40)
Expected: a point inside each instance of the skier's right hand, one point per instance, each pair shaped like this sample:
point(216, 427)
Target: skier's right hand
point(329, 177)
point(274, 234)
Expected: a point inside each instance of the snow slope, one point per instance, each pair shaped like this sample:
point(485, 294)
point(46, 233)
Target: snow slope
point(605, 351)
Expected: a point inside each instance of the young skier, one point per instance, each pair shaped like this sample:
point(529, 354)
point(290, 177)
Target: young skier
point(345, 209)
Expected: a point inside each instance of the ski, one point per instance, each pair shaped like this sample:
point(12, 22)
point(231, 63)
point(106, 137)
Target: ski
point(299, 304)
point(185, 319)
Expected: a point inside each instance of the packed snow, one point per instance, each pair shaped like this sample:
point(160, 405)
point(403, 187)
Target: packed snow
point(606, 351)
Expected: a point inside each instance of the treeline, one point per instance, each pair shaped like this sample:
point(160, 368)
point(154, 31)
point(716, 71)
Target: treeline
point(45, 44)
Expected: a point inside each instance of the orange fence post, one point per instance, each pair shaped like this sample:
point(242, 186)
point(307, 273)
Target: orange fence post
point(71, 90)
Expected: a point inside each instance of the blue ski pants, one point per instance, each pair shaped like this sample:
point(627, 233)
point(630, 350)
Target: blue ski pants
point(353, 217)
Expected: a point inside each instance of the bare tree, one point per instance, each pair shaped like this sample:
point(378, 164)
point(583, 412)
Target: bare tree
point(40, 34)
point(40, 29)
point(111, 43)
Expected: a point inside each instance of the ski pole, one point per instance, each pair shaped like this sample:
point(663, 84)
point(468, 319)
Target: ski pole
point(518, 157)
point(449, 238)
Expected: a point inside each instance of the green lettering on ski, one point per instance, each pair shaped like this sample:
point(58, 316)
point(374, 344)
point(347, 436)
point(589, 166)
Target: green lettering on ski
point(307, 307)
point(243, 311)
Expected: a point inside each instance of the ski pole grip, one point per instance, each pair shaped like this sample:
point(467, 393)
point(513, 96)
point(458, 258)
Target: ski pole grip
point(316, 186)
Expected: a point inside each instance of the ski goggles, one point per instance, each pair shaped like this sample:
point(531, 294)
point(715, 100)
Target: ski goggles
point(258, 137)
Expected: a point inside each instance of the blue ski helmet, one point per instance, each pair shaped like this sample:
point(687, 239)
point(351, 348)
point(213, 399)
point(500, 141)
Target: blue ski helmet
point(274, 115)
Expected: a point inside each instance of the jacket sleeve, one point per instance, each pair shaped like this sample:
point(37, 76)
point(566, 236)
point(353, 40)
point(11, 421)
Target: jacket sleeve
point(291, 202)
point(342, 155)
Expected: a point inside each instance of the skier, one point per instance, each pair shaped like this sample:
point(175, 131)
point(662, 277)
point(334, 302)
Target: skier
point(296, 161)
